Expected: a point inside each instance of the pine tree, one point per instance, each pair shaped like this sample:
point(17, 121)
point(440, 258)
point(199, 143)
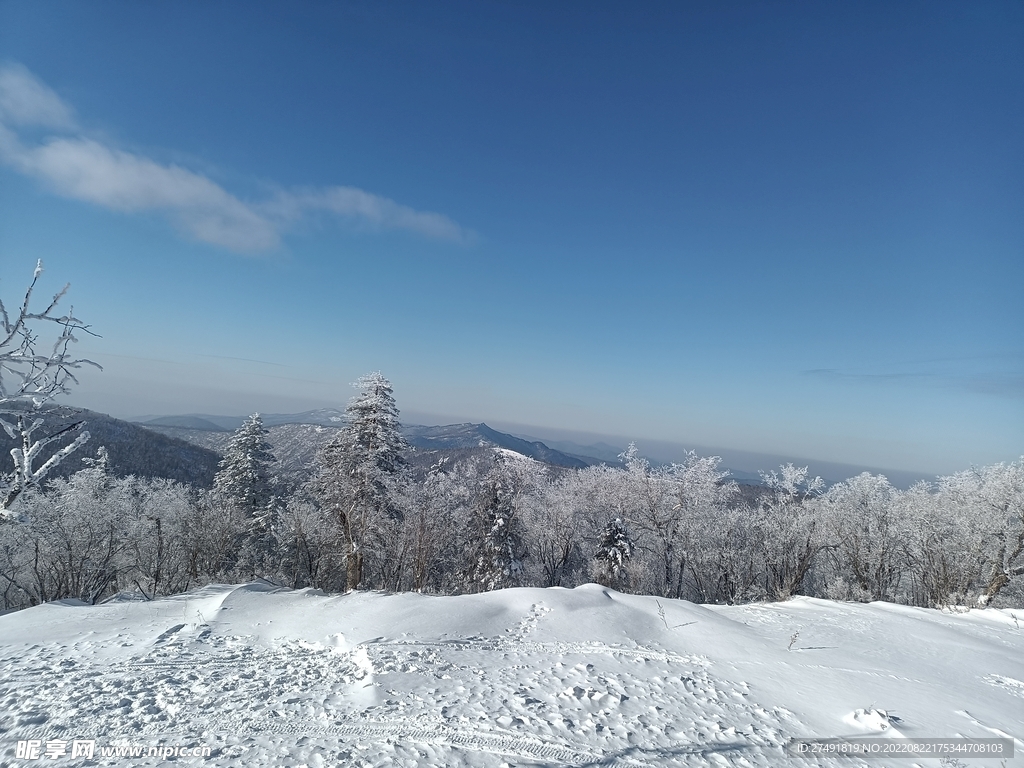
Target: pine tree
point(245, 482)
point(244, 477)
point(614, 551)
point(358, 471)
point(495, 538)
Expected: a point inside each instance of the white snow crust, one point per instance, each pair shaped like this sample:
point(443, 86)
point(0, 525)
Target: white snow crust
point(517, 677)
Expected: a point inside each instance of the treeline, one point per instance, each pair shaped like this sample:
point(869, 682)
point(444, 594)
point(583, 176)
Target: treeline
point(365, 518)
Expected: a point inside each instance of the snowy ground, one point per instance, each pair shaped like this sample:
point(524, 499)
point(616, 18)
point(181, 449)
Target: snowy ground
point(518, 677)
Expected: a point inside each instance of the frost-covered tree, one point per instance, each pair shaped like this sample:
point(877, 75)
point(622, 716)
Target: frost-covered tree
point(93, 534)
point(435, 507)
point(946, 551)
point(33, 371)
point(673, 512)
point(495, 535)
point(78, 529)
point(703, 538)
point(244, 477)
point(72, 537)
point(993, 499)
point(26, 474)
point(871, 534)
point(649, 508)
point(788, 529)
point(357, 473)
point(245, 482)
point(614, 551)
point(312, 550)
point(164, 534)
point(561, 518)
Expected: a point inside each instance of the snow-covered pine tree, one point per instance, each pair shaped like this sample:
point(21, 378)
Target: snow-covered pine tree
point(613, 552)
point(357, 472)
point(495, 536)
point(244, 476)
point(245, 482)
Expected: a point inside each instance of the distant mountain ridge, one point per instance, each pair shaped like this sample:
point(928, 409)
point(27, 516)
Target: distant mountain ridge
point(296, 437)
point(324, 417)
point(598, 452)
point(132, 449)
point(483, 436)
point(566, 450)
point(186, 422)
point(465, 435)
point(294, 445)
point(188, 447)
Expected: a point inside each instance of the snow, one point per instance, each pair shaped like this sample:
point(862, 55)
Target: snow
point(268, 676)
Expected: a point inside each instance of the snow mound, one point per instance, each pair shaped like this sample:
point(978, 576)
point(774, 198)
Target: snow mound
point(269, 676)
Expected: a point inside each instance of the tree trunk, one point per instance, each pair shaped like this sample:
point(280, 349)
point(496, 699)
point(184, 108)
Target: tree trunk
point(1001, 574)
point(353, 568)
point(353, 557)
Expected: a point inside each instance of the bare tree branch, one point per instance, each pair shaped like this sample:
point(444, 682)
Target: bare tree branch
point(29, 379)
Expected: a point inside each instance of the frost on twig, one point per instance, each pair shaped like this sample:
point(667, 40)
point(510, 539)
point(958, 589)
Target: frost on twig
point(32, 373)
point(26, 373)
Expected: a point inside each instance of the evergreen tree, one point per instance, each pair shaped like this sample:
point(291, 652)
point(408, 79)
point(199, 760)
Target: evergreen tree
point(614, 551)
point(244, 477)
point(357, 473)
point(495, 538)
point(245, 482)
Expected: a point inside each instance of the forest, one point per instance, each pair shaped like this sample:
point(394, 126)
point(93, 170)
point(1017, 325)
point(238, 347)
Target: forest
point(371, 513)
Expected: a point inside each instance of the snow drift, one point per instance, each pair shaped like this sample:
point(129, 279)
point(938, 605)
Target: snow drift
point(588, 676)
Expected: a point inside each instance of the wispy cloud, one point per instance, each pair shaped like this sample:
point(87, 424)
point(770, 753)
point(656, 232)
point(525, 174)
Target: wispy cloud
point(833, 373)
point(1000, 383)
point(83, 169)
point(377, 211)
point(78, 167)
point(25, 100)
point(1006, 385)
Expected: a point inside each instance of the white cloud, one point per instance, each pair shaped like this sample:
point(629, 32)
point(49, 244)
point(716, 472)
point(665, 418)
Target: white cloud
point(25, 100)
point(81, 168)
point(371, 209)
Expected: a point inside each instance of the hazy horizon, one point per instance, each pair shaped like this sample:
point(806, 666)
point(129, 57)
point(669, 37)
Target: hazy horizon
point(747, 463)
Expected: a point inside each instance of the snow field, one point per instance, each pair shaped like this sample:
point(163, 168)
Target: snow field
point(523, 677)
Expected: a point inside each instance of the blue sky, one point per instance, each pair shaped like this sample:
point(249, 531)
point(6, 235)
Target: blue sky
point(790, 228)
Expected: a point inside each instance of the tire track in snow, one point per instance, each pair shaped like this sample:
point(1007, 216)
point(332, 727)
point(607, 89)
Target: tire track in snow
point(558, 648)
point(436, 734)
